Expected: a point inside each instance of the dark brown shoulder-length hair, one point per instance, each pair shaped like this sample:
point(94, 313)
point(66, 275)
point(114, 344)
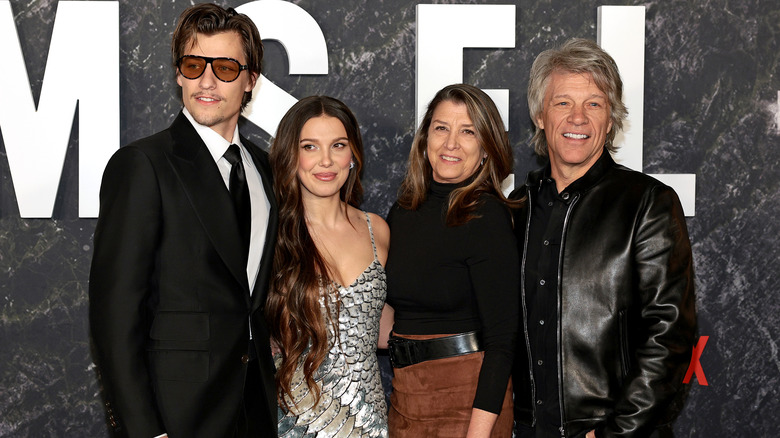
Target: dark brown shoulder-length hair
point(301, 276)
point(211, 19)
point(486, 179)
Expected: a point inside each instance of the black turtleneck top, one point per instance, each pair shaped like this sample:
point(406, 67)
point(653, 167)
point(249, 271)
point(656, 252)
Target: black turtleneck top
point(448, 280)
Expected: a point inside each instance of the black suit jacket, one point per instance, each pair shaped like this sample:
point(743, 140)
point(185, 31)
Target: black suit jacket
point(170, 306)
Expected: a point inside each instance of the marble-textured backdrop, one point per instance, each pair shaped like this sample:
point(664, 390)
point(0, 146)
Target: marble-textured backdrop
point(711, 108)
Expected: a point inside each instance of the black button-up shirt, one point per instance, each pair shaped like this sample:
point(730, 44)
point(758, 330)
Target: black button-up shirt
point(548, 213)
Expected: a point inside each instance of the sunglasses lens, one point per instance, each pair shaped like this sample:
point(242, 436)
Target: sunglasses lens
point(191, 67)
point(226, 69)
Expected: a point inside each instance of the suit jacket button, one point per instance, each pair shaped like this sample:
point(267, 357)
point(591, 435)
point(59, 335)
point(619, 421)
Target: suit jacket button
point(245, 358)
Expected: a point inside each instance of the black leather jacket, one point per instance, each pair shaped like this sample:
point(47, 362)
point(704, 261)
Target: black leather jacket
point(626, 305)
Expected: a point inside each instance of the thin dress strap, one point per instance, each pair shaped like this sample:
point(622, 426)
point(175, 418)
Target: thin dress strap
point(371, 232)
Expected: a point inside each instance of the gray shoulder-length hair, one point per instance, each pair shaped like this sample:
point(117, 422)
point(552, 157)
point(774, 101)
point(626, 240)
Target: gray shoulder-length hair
point(582, 56)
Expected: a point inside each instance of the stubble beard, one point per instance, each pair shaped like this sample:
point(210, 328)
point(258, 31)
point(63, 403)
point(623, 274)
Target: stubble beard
point(208, 119)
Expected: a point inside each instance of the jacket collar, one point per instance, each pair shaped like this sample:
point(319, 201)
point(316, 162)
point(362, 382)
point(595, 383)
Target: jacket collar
point(210, 198)
point(582, 184)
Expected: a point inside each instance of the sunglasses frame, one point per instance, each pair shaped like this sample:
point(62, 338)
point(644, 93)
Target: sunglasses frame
point(209, 60)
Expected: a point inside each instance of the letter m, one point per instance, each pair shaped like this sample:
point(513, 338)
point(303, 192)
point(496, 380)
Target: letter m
point(82, 68)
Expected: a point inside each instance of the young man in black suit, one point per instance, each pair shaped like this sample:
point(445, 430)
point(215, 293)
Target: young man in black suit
point(183, 255)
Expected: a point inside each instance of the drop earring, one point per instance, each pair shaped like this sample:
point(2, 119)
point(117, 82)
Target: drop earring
point(351, 165)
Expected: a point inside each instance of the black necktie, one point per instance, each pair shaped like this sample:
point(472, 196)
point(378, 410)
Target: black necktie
point(239, 191)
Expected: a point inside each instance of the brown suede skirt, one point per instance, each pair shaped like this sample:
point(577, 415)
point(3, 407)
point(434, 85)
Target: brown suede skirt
point(435, 398)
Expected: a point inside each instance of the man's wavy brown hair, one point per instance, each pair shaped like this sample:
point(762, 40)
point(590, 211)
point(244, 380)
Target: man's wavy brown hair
point(211, 19)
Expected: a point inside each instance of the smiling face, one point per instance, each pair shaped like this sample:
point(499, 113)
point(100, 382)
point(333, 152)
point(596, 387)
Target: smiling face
point(324, 157)
point(576, 120)
point(212, 102)
point(453, 148)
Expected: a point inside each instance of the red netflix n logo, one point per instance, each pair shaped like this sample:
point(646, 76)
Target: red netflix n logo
point(695, 366)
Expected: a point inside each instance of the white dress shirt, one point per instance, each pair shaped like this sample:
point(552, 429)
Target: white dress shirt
point(261, 208)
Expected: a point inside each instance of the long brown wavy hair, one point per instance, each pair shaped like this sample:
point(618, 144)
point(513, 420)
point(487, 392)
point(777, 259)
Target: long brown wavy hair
point(486, 179)
point(301, 276)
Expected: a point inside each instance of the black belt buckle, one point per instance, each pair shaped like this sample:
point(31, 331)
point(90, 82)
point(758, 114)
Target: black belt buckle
point(401, 352)
point(405, 352)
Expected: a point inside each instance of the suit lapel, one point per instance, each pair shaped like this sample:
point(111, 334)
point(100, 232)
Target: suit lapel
point(266, 262)
point(208, 195)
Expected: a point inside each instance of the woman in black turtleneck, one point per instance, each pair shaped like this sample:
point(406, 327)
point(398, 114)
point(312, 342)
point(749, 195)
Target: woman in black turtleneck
point(453, 274)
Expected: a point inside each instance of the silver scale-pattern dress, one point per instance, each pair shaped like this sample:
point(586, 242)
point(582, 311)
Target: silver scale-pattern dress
point(352, 402)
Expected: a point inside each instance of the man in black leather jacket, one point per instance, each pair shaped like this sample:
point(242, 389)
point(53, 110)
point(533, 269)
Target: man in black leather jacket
point(607, 275)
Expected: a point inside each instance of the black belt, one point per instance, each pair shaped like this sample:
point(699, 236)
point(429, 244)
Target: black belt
point(405, 352)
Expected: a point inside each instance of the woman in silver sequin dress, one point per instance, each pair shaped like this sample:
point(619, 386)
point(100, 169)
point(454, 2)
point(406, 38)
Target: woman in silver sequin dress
point(328, 288)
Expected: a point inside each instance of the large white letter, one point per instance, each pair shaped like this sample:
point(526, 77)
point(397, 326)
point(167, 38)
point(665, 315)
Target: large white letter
point(621, 32)
point(443, 31)
point(306, 50)
point(777, 113)
point(83, 68)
